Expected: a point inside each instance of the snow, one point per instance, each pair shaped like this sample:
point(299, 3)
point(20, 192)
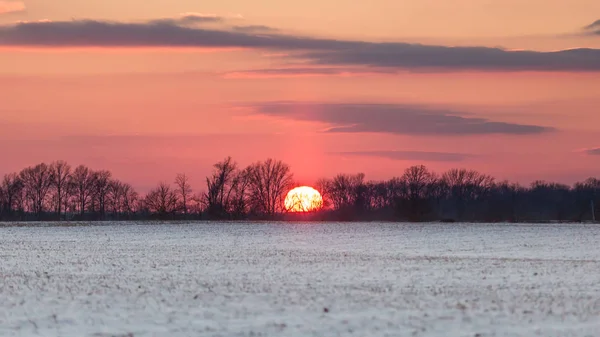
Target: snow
point(264, 279)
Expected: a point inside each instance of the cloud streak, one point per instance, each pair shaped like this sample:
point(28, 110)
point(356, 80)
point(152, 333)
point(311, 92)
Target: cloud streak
point(11, 6)
point(424, 57)
point(593, 152)
point(308, 72)
point(255, 29)
point(411, 155)
point(594, 25)
point(188, 19)
point(392, 119)
point(92, 33)
point(592, 29)
point(184, 33)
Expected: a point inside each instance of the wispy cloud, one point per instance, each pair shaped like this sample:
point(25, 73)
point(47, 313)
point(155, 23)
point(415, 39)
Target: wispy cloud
point(593, 151)
point(392, 118)
point(9, 6)
point(183, 32)
point(405, 56)
point(592, 29)
point(308, 72)
point(188, 19)
point(255, 29)
point(593, 26)
point(411, 155)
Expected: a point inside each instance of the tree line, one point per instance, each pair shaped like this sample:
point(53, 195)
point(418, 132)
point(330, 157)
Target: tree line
point(58, 191)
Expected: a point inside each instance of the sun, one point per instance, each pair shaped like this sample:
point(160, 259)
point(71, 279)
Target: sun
point(303, 199)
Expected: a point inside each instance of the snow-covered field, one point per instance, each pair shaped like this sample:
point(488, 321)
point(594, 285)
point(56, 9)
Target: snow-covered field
point(292, 279)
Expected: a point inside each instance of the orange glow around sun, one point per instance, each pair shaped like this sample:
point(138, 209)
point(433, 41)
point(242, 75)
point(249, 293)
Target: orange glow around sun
point(303, 199)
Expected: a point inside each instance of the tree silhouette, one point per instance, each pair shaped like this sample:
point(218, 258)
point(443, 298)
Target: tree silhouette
point(101, 187)
point(61, 178)
point(184, 191)
point(122, 198)
point(269, 183)
point(239, 207)
point(37, 181)
point(83, 183)
point(220, 186)
point(466, 186)
point(55, 192)
point(418, 183)
point(587, 195)
point(10, 190)
point(162, 201)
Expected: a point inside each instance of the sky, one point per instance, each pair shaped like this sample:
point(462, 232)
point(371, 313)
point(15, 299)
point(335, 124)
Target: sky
point(149, 89)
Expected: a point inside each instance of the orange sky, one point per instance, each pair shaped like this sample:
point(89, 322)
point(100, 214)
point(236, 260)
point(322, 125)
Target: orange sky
point(149, 112)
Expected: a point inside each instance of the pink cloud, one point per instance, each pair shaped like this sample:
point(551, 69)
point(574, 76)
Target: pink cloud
point(593, 151)
point(309, 72)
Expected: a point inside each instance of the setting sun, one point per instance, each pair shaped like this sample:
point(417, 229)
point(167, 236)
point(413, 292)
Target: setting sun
point(303, 199)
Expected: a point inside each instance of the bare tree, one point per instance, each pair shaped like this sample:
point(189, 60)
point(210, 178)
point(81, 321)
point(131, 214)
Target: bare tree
point(114, 197)
point(587, 196)
point(184, 191)
point(238, 207)
point(101, 189)
point(4, 209)
point(70, 198)
point(162, 200)
point(385, 194)
point(465, 186)
point(130, 199)
point(220, 186)
point(196, 203)
point(11, 188)
point(342, 190)
point(83, 183)
point(418, 182)
point(549, 199)
point(61, 174)
point(322, 185)
point(505, 198)
point(37, 182)
point(269, 182)
point(120, 198)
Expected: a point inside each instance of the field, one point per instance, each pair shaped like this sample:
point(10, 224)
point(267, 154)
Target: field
point(300, 279)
